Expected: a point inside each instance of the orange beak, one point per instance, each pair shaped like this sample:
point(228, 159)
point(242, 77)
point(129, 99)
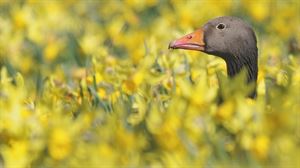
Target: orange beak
point(193, 41)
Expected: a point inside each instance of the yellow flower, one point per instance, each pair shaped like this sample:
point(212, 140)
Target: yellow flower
point(21, 18)
point(102, 93)
point(151, 2)
point(60, 144)
point(137, 54)
point(25, 113)
point(114, 96)
point(114, 29)
point(282, 78)
point(52, 50)
point(105, 150)
point(138, 78)
point(261, 146)
point(246, 141)
point(79, 73)
point(125, 139)
point(296, 77)
point(185, 15)
point(98, 78)
point(139, 107)
point(131, 17)
point(261, 84)
point(111, 61)
point(17, 154)
point(135, 4)
point(107, 155)
point(230, 147)
point(226, 110)
point(259, 10)
point(90, 43)
point(167, 135)
point(129, 87)
point(168, 83)
point(26, 64)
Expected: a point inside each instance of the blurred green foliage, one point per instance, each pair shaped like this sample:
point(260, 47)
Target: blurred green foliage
point(92, 84)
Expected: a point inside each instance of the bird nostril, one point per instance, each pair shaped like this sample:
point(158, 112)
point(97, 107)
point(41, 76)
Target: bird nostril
point(189, 37)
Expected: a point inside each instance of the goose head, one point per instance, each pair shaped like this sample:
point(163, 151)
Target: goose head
point(229, 38)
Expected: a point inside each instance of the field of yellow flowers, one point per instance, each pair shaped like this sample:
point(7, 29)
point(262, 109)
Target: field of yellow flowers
point(93, 84)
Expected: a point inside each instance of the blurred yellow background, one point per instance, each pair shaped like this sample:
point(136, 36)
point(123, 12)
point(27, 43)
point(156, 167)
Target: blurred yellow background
point(93, 84)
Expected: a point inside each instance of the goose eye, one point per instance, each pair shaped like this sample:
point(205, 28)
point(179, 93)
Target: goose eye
point(221, 26)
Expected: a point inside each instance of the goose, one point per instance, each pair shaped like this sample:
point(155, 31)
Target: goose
point(229, 38)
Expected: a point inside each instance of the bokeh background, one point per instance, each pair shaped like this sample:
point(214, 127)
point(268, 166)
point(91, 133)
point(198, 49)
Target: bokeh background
point(92, 84)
